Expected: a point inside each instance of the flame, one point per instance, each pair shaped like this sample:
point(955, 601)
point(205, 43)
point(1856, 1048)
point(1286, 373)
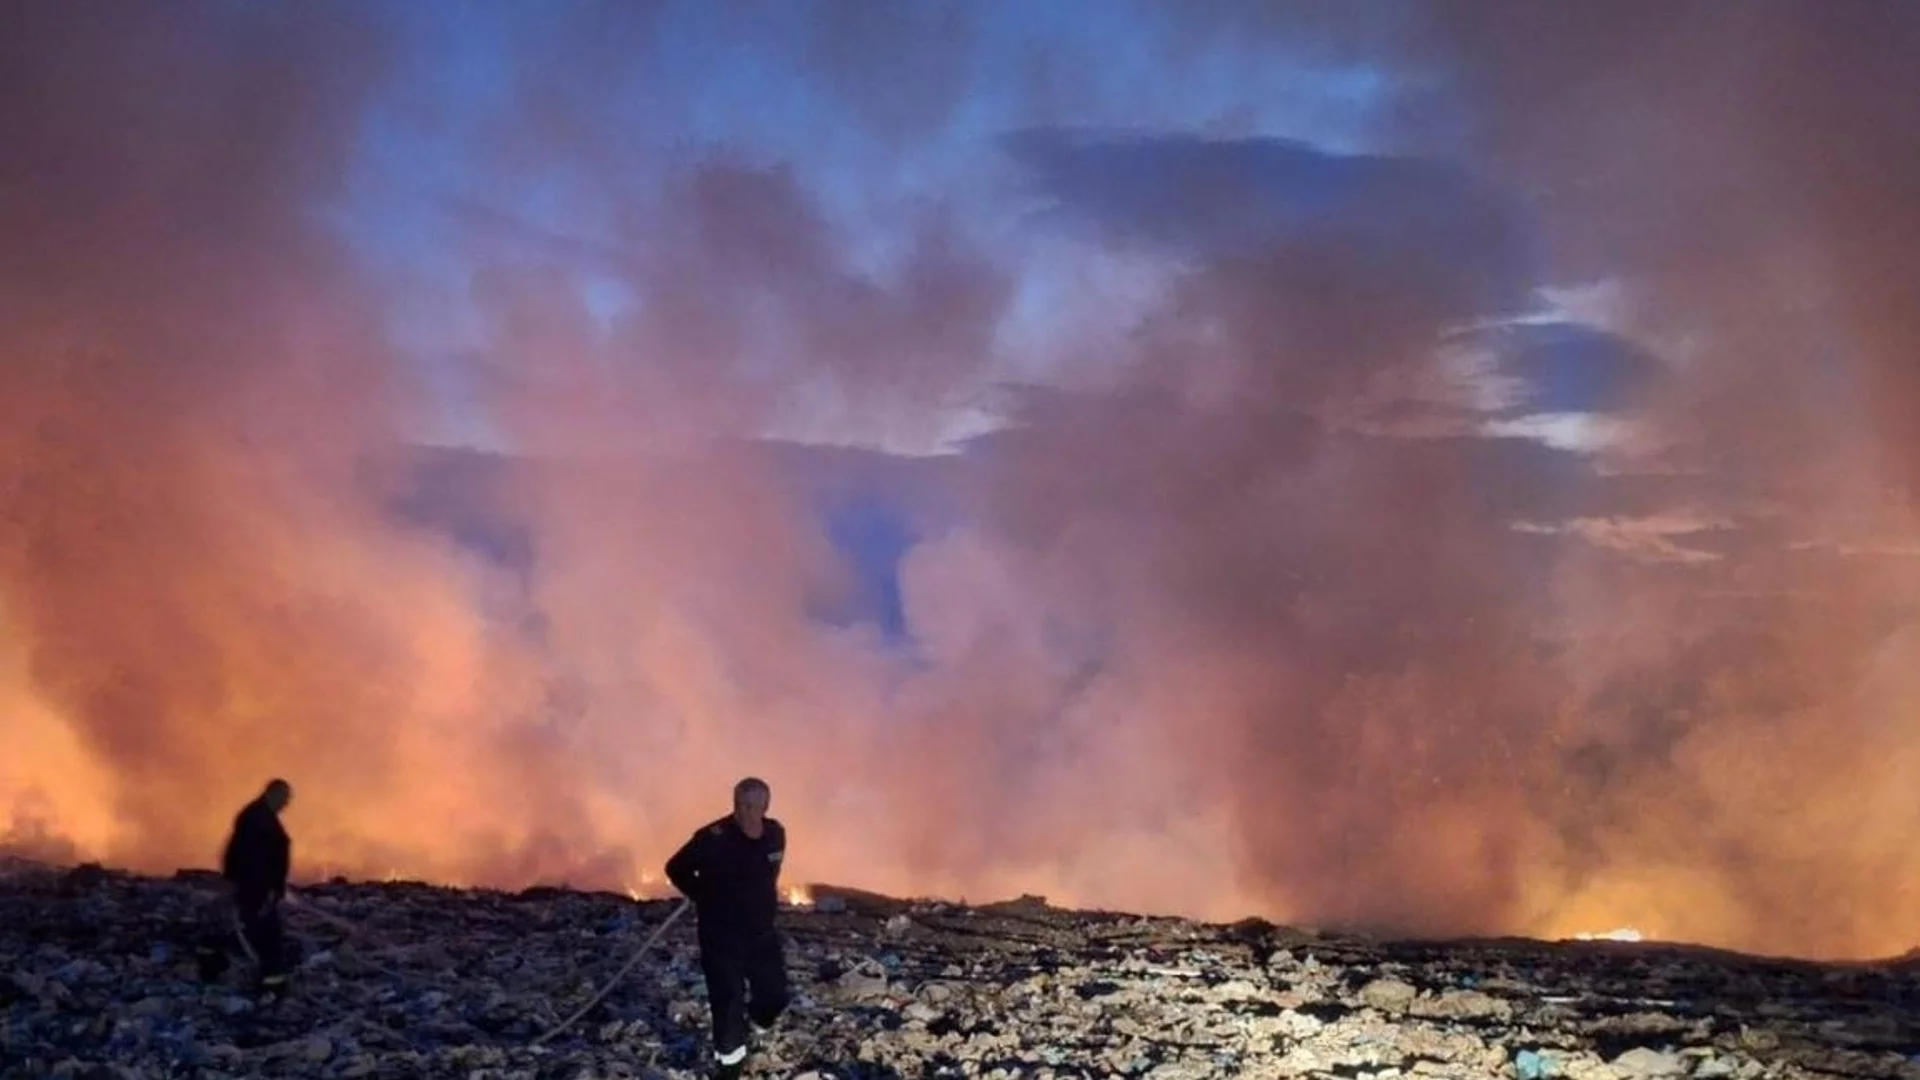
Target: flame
point(642, 885)
point(1621, 933)
point(796, 896)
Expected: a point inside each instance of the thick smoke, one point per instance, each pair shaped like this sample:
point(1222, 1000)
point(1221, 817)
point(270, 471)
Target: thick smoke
point(1506, 529)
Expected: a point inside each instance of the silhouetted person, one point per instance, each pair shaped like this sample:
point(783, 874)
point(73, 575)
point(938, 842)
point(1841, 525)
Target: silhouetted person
point(731, 871)
point(258, 856)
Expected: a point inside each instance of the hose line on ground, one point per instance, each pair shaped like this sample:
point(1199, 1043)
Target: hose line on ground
point(617, 976)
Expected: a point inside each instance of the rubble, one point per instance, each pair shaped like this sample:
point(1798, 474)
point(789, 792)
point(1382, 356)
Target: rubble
point(97, 979)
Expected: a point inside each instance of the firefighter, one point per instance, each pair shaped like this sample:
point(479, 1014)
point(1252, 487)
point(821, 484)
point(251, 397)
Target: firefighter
point(258, 856)
point(730, 869)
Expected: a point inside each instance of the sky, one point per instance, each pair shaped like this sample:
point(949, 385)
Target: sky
point(871, 146)
point(1434, 468)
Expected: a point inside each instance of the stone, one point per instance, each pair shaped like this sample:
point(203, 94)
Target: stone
point(1715, 1067)
point(1465, 1005)
point(1642, 1063)
point(864, 982)
point(1389, 995)
point(445, 983)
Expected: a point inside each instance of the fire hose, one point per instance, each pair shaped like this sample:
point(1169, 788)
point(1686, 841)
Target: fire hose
point(617, 976)
point(353, 931)
point(345, 927)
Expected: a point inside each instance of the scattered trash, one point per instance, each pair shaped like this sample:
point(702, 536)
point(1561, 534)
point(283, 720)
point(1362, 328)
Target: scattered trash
point(98, 976)
point(1534, 1065)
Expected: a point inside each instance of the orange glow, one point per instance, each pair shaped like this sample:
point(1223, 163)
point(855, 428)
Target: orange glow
point(796, 896)
point(1282, 599)
point(1621, 933)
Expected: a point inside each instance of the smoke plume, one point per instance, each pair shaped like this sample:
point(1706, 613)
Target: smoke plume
point(1052, 472)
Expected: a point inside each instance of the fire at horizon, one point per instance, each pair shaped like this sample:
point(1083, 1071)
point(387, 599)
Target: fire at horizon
point(1450, 472)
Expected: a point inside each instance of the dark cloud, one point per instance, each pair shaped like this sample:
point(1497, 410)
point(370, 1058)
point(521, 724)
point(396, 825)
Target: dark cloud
point(1573, 368)
point(1308, 274)
point(1384, 219)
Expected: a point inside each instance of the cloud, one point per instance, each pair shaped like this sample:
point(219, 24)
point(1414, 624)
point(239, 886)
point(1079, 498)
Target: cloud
point(1363, 245)
point(1462, 240)
point(1887, 548)
point(1573, 368)
point(1648, 539)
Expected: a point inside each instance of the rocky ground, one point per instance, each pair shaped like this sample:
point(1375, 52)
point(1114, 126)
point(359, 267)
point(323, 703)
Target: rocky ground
point(97, 980)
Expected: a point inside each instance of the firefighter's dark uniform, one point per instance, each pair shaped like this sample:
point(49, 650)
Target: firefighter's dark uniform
point(257, 858)
point(734, 882)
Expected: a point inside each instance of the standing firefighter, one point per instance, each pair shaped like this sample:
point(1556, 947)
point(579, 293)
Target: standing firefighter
point(256, 862)
point(731, 871)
